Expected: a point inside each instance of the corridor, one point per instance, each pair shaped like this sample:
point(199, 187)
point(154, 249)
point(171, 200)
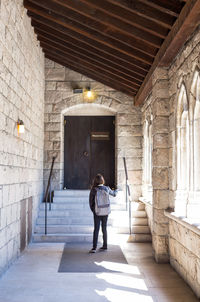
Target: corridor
point(85, 87)
point(34, 277)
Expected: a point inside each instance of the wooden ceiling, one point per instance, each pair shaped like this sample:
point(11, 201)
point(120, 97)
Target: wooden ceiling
point(114, 42)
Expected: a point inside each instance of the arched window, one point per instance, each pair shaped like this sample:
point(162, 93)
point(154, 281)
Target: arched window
point(193, 207)
point(146, 146)
point(182, 152)
point(196, 125)
point(150, 155)
point(147, 173)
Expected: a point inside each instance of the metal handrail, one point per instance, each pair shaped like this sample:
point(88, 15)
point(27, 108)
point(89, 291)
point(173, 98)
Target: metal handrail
point(48, 193)
point(128, 196)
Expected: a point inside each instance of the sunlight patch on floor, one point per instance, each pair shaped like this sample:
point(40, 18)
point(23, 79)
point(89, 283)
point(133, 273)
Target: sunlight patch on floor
point(119, 267)
point(115, 295)
point(123, 281)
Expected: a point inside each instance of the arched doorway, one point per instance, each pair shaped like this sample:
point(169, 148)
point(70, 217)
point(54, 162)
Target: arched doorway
point(89, 146)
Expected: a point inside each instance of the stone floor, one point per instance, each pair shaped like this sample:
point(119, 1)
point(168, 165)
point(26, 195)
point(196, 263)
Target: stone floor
point(34, 277)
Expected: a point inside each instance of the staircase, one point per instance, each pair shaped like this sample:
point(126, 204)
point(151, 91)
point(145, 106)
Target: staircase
point(70, 219)
point(140, 228)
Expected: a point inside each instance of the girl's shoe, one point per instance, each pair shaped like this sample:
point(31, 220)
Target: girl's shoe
point(93, 250)
point(103, 248)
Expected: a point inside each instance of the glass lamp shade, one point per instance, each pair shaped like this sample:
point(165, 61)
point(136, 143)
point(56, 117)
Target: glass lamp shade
point(20, 127)
point(89, 96)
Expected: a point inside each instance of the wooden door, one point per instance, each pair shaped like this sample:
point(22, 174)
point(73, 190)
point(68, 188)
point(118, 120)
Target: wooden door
point(89, 148)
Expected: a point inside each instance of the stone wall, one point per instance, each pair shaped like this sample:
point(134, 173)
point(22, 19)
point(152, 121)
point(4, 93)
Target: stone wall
point(157, 106)
point(60, 101)
point(170, 238)
point(21, 156)
point(182, 72)
point(184, 247)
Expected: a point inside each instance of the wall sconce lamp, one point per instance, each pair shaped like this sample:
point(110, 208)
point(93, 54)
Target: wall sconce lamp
point(20, 126)
point(89, 95)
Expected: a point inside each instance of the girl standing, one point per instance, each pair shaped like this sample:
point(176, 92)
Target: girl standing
point(98, 184)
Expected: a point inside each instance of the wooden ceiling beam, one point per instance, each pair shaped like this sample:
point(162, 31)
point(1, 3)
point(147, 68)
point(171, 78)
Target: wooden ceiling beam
point(171, 7)
point(131, 62)
point(52, 40)
point(189, 19)
point(87, 65)
point(114, 26)
point(128, 17)
point(90, 62)
point(122, 66)
point(87, 53)
point(89, 74)
point(146, 11)
point(185, 25)
point(88, 28)
point(107, 52)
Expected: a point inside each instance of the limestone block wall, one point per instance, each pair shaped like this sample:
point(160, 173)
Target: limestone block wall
point(60, 101)
point(184, 246)
point(21, 156)
point(170, 237)
point(156, 113)
point(181, 238)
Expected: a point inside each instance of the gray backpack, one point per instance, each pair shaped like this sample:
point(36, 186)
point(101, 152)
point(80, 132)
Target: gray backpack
point(102, 203)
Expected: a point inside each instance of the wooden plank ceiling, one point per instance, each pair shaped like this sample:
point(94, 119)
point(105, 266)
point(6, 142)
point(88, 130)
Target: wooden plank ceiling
point(112, 41)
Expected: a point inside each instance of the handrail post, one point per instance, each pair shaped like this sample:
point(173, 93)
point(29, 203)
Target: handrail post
point(50, 197)
point(130, 218)
point(47, 189)
point(47, 194)
point(126, 175)
point(128, 197)
point(46, 216)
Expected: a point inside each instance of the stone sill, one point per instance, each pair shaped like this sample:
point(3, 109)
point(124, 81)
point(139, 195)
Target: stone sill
point(191, 224)
point(146, 202)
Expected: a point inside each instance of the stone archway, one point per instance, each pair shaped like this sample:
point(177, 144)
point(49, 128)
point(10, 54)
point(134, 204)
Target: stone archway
point(128, 131)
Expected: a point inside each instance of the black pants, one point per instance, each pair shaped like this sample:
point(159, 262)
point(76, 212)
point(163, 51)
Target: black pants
point(97, 220)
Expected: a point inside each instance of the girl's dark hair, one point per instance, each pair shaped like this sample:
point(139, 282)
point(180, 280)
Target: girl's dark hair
point(98, 180)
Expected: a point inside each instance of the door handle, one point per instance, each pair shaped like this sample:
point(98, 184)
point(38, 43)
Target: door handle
point(85, 153)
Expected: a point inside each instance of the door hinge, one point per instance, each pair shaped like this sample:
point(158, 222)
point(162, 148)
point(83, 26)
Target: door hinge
point(65, 122)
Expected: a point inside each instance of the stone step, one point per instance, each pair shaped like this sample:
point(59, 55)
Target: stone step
point(75, 193)
point(78, 206)
point(140, 238)
point(84, 195)
point(84, 200)
point(139, 214)
point(69, 238)
point(65, 213)
point(65, 229)
point(134, 230)
point(70, 221)
point(118, 215)
point(140, 221)
point(67, 206)
point(66, 238)
point(66, 220)
point(116, 218)
point(71, 199)
point(138, 206)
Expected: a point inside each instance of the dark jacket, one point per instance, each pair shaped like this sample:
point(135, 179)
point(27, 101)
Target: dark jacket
point(93, 193)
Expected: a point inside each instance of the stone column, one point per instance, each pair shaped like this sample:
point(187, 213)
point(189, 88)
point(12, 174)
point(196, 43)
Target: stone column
point(160, 172)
